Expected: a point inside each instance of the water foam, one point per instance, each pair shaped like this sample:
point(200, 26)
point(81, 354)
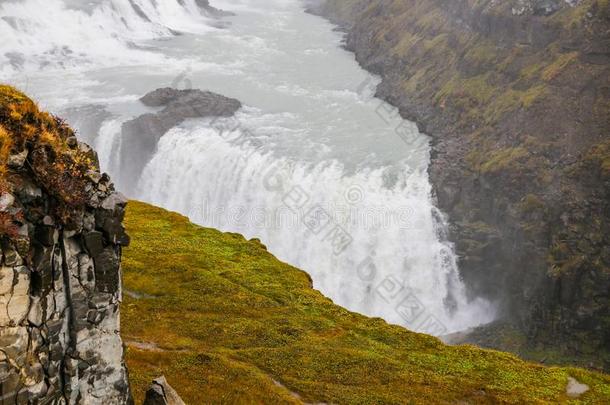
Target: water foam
point(317, 169)
point(43, 34)
point(393, 264)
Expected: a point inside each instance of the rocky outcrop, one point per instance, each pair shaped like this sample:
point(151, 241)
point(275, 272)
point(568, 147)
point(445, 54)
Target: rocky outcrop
point(161, 393)
point(60, 280)
point(516, 95)
point(141, 135)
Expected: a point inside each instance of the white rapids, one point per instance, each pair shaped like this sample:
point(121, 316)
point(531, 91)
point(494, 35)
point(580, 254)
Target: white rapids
point(330, 178)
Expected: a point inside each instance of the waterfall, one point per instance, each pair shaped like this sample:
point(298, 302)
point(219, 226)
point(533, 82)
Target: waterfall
point(370, 240)
point(75, 34)
point(331, 179)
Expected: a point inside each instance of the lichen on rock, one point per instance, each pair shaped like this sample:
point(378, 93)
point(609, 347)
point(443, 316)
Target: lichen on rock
point(60, 287)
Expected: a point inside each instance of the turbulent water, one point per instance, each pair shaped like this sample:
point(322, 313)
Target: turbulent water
point(327, 176)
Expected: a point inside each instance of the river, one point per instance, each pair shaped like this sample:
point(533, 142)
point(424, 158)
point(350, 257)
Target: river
point(329, 177)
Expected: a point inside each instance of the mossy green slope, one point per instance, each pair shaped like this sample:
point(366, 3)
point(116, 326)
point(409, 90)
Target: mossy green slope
point(226, 322)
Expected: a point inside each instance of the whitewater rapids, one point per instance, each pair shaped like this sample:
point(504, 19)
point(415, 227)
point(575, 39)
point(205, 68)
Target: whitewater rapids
point(330, 178)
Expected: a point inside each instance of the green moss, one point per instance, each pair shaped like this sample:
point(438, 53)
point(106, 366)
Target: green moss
point(503, 158)
point(226, 322)
point(481, 54)
point(572, 17)
point(60, 168)
point(597, 158)
point(533, 94)
point(555, 68)
point(532, 70)
point(531, 203)
point(438, 42)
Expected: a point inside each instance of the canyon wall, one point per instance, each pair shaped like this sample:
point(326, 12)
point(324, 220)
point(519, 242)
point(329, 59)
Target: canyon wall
point(61, 235)
point(516, 96)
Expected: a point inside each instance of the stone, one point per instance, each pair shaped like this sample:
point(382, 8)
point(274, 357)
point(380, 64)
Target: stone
point(109, 219)
point(46, 235)
point(94, 176)
point(28, 192)
point(72, 142)
point(91, 154)
point(59, 335)
point(17, 160)
point(107, 271)
point(86, 272)
point(14, 341)
point(11, 256)
point(575, 389)
point(161, 393)
point(19, 304)
point(141, 135)
point(10, 387)
point(48, 221)
point(94, 242)
point(35, 314)
point(42, 271)
point(6, 201)
point(6, 280)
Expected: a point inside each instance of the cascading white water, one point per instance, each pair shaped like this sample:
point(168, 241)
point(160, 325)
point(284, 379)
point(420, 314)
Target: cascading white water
point(61, 33)
point(369, 239)
point(331, 179)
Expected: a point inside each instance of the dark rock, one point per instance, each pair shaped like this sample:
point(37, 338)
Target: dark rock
point(94, 242)
point(107, 271)
point(17, 161)
point(141, 135)
point(46, 235)
point(28, 192)
point(72, 142)
point(161, 97)
point(546, 7)
point(42, 271)
point(109, 218)
point(91, 154)
point(11, 257)
point(161, 393)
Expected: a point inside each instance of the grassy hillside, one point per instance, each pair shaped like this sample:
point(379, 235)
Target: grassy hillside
point(226, 322)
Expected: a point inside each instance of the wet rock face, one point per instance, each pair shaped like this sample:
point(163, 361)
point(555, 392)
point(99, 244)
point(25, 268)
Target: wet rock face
point(141, 135)
point(60, 292)
point(523, 180)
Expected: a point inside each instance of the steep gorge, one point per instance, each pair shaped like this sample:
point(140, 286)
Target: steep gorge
point(221, 317)
point(516, 95)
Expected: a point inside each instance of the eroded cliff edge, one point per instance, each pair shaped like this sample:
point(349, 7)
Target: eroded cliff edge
point(61, 235)
point(516, 95)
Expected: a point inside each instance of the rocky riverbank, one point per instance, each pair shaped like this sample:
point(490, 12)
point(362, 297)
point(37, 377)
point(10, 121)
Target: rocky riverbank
point(516, 96)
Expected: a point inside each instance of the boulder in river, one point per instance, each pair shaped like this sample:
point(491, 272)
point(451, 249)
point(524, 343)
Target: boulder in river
point(141, 135)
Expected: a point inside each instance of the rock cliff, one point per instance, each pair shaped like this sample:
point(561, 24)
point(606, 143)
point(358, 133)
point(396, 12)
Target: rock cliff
point(61, 235)
point(516, 95)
